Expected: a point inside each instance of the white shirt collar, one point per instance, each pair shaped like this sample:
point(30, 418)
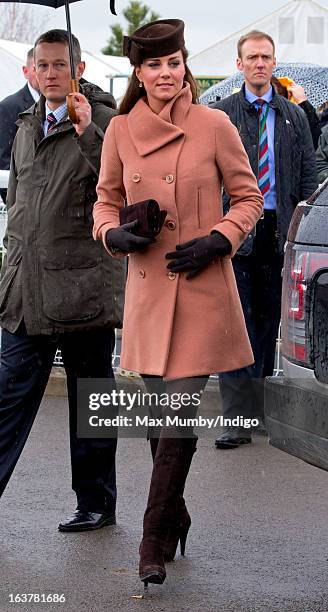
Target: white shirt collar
point(59, 113)
point(35, 94)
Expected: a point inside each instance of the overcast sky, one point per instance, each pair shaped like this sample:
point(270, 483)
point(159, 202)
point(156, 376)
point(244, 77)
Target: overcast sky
point(207, 21)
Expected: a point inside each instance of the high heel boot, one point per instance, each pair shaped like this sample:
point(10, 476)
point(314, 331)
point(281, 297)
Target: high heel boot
point(170, 470)
point(180, 526)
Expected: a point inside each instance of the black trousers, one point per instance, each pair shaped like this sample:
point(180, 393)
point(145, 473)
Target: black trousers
point(26, 363)
point(259, 282)
point(186, 409)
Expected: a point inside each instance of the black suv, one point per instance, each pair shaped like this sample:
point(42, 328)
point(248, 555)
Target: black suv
point(296, 404)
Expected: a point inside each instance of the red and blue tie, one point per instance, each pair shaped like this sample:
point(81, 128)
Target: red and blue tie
point(263, 175)
point(51, 121)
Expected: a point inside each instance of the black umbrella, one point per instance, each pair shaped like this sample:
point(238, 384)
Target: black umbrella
point(56, 4)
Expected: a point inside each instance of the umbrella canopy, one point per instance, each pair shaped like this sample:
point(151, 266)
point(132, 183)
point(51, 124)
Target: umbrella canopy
point(312, 77)
point(52, 3)
point(56, 4)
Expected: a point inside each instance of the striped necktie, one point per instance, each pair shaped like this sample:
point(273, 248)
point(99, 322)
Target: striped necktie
point(51, 122)
point(263, 175)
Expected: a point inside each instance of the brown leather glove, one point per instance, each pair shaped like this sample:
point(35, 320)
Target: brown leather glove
point(195, 255)
point(123, 239)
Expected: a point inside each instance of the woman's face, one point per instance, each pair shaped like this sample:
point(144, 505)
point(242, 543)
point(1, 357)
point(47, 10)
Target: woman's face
point(162, 78)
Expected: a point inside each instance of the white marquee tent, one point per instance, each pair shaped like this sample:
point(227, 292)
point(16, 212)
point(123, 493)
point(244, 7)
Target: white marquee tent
point(100, 69)
point(300, 32)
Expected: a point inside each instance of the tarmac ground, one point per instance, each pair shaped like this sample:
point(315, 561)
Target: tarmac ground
point(258, 541)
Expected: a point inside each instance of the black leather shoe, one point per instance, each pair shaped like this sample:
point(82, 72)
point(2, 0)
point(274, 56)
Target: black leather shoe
point(232, 438)
point(87, 521)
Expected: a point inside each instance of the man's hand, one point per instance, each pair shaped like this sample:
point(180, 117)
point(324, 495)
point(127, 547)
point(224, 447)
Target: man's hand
point(83, 111)
point(298, 93)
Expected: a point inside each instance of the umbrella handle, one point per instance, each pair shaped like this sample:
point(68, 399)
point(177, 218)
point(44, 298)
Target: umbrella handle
point(70, 101)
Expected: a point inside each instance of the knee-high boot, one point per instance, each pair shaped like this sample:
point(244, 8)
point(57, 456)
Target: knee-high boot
point(170, 470)
point(179, 527)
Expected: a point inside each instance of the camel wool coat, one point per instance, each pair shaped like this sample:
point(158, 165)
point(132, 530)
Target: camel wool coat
point(175, 327)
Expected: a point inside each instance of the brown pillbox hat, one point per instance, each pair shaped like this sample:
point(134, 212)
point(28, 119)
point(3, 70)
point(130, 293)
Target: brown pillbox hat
point(154, 39)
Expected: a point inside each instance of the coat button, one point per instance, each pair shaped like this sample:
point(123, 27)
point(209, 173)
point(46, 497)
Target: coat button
point(136, 177)
point(171, 275)
point(142, 273)
point(170, 224)
point(169, 178)
point(247, 227)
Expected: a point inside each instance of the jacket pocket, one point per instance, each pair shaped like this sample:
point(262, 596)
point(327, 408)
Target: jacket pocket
point(71, 292)
point(7, 280)
point(9, 270)
point(14, 252)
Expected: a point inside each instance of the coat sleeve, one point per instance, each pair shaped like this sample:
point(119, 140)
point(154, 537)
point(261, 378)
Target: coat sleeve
point(110, 188)
point(313, 120)
point(246, 202)
point(308, 177)
point(12, 186)
point(8, 130)
point(322, 157)
point(91, 141)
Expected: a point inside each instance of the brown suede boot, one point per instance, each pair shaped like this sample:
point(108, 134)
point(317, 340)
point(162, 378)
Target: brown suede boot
point(170, 470)
point(179, 528)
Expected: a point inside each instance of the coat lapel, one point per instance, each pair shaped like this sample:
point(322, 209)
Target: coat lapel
point(149, 131)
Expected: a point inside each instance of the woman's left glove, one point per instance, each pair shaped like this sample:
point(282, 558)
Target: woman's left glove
point(198, 253)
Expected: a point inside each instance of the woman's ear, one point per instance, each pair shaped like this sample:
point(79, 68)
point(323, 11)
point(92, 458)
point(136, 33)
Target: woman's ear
point(138, 72)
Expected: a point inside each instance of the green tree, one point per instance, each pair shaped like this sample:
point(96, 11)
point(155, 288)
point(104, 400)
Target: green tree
point(136, 15)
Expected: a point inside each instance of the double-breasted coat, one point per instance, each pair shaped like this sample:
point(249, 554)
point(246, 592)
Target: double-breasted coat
point(175, 327)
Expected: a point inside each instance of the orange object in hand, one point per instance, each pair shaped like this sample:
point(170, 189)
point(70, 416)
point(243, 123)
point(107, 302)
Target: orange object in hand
point(287, 82)
point(70, 101)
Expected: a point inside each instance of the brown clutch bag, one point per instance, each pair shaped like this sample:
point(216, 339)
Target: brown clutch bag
point(149, 216)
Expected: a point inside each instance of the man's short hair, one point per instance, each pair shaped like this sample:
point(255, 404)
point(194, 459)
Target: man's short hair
point(254, 35)
point(29, 55)
point(61, 36)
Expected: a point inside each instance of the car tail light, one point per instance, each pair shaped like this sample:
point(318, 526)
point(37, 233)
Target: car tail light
point(299, 267)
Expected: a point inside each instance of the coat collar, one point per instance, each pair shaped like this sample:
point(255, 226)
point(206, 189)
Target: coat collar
point(38, 112)
point(149, 131)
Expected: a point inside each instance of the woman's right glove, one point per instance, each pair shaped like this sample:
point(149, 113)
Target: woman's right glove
point(123, 239)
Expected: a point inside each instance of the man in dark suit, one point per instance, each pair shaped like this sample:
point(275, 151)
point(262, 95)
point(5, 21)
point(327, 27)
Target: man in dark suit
point(278, 142)
point(10, 108)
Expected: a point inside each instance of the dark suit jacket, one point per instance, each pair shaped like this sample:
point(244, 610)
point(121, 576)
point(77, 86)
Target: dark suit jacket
point(10, 108)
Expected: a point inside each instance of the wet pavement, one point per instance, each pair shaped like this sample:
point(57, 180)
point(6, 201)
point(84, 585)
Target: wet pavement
point(258, 541)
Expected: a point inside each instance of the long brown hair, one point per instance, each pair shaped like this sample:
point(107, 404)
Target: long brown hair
point(134, 92)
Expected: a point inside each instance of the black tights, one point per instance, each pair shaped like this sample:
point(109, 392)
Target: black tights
point(185, 395)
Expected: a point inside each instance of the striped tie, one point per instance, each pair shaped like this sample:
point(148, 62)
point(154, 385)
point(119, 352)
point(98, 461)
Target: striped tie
point(51, 122)
point(263, 176)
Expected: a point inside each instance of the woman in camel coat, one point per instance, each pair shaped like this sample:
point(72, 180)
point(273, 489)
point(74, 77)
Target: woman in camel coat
point(183, 317)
